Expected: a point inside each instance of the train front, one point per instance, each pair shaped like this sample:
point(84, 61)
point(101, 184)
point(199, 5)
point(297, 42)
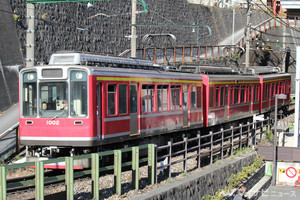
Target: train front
point(55, 119)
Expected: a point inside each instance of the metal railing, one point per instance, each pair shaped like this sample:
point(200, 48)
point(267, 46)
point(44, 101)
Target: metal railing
point(171, 55)
point(210, 145)
point(10, 150)
point(95, 170)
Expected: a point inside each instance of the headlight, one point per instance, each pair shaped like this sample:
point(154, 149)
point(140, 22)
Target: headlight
point(79, 75)
point(30, 77)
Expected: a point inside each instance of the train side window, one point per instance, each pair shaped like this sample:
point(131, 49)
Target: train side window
point(122, 99)
point(272, 90)
point(111, 99)
point(199, 95)
point(222, 96)
point(211, 97)
point(231, 98)
point(236, 94)
point(249, 93)
point(175, 97)
point(193, 97)
point(280, 88)
point(162, 97)
point(185, 97)
point(242, 94)
point(148, 98)
point(276, 88)
point(217, 96)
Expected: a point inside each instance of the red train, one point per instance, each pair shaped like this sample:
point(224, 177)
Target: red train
point(80, 102)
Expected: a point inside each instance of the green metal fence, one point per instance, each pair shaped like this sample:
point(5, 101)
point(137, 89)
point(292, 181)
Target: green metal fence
point(95, 170)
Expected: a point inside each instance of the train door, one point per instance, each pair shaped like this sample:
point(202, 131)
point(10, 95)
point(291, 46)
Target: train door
point(185, 105)
point(226, 102)
point(133, 109)
point(98, 111)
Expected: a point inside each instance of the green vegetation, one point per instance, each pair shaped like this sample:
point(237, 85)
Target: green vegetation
point(239, 152)
point(236, 179)
point(269, 135)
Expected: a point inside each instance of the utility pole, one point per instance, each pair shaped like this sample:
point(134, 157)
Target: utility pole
point(247, 62)
point(30, 35)
point(133, 29)
point(284, 48)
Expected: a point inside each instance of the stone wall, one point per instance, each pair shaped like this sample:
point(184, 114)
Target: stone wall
point(10, 57)
point(205, 182)
point(103, 28)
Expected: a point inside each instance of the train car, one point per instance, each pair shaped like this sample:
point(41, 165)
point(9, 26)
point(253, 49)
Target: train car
point(230, 97)
point(82, 103)
point(69, 107)
point(271, 85)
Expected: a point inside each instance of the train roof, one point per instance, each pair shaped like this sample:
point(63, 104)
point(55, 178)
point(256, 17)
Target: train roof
point(275, 76)
point(121, 72)
point(229, 77)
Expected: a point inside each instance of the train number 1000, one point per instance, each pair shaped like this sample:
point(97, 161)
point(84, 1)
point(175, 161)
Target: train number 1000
point(55, 123)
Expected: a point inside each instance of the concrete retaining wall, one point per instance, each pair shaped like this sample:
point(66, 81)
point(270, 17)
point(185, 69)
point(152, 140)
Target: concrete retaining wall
point(205, 182)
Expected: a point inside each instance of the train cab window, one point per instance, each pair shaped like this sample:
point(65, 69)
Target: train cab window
point(111, 96)
point(175, 97)
point(217, 96)
point(211, 97)
point(122, 99)
point(78, 94)
point(147, 98)
point(193, 97)
point(53, 100)
point(199, 95)
point(29, 94)
point(162, 97)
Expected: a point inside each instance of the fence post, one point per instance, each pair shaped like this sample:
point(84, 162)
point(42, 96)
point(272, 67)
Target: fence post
point(3, 182)
point(241, 133)
point(170, 143)
point(261, 129)
point(151, 164)
point(95, 175)
point(254, 133)
point(198, 53)
point(222, 143)
point(39, 180)
point(69, 178)
point(199, 151)
point(117, 171)
point(135, 168)
point(183, 52)
point(231, 141)
point(185, 155)
point(212, 52)
point(18, 140)
point(155, 163)
point(211, 147)
point(248, 134)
